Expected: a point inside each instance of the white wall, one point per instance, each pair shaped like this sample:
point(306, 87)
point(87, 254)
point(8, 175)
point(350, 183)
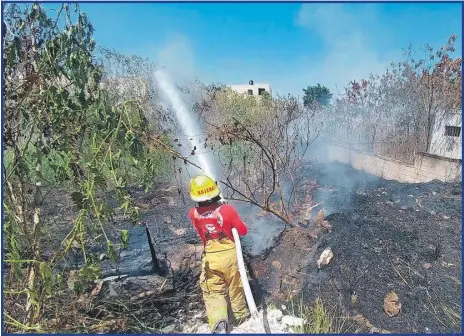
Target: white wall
point(426, 167)
point(446, 146)
point(245, 87)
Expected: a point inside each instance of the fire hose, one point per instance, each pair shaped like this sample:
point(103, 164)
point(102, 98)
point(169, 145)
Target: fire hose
point(243, 275)
point(246, 285)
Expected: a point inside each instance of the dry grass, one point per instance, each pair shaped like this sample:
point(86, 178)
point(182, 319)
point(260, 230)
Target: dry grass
point(319, 318)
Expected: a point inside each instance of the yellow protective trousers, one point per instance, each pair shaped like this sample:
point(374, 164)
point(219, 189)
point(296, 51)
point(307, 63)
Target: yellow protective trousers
point(221, 284)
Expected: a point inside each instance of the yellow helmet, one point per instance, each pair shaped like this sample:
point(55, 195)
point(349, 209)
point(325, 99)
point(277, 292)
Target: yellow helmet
point(203, 188)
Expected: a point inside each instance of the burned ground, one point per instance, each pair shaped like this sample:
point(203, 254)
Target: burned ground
point(385, 236)
point(381, 248)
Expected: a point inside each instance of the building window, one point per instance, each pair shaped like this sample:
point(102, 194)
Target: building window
point(453, 131)
point(260, 91)
point(250, 92)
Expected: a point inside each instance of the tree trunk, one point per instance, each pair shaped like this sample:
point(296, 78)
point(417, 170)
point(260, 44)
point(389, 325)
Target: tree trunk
point(33, 306)
point(429, 119)
point(263, 168)
point(34, 311)
point(244, 176)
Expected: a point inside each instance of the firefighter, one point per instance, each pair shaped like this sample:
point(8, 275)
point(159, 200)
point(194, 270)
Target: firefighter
point(220, 277)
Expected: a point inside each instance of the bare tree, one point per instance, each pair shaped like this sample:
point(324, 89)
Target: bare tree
point(393, 114)
point(260, 143)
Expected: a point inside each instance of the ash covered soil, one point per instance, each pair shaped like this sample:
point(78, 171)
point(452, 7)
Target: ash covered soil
point(385, 236)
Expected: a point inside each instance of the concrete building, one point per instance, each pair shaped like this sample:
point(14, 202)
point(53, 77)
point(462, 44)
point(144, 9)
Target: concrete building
point(446, 139)
point(252, 89)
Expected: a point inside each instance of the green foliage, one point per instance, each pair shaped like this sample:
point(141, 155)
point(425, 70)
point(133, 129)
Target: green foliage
point(316, 95)
point(12, 244)
point(90, 272)
point(62, 129)
point(124, 238)
point(226, 107)
point(243, 108)
point(48, 277)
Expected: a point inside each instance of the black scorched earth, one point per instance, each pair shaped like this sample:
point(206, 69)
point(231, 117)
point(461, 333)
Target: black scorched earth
point(385, 236)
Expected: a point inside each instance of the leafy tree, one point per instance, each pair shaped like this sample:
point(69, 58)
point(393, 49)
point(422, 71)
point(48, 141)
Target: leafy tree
point(61, 129)
point(316, 95)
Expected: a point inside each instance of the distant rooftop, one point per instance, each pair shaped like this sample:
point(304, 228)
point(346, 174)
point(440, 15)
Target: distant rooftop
point(252, 88)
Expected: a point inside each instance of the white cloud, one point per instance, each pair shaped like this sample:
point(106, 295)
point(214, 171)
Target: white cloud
point(345, 34)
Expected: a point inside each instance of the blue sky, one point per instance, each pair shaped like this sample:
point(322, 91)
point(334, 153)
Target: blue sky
point(288, 46)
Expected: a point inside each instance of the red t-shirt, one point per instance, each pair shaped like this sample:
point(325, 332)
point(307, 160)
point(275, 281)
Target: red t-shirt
point(230, 218)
